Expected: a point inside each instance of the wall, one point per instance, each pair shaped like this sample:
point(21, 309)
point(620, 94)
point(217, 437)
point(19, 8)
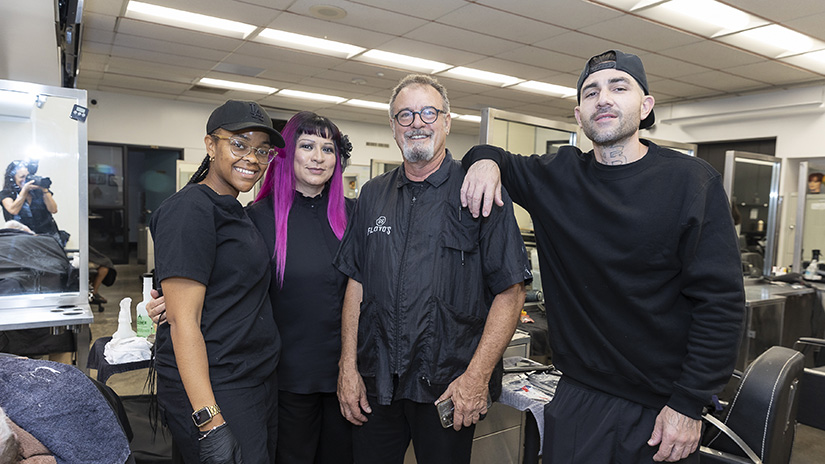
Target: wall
point(134, 120)
point(33, 21)
point(796, 117)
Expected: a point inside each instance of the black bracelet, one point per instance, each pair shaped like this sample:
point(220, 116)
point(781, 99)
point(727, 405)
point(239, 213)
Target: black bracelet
point(202, 435)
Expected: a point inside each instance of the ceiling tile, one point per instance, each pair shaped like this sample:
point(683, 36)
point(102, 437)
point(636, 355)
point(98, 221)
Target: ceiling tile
point(775, 73)
point(313, 27)
point(711, 54)
point(461, 39)
point(565, 14)
point(723, 82)
point(493, 22)
point(130, 27)
point(430, 51)
point(664, 66)
point(241, 11)
point(811, 25)
point(424, 9)
point(543, 58)
point(778, 10)
point(639, 33)
point(364, 16)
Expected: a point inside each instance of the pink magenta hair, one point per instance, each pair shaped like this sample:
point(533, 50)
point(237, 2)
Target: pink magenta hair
point(279, 181)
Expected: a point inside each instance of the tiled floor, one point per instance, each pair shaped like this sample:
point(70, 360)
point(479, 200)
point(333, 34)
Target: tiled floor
point(809, 445)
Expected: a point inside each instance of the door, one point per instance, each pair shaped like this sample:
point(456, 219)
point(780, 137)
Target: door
point(108, 226)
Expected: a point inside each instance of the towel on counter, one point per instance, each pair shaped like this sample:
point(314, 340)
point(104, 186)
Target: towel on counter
point(59, 406)
point(126, 350)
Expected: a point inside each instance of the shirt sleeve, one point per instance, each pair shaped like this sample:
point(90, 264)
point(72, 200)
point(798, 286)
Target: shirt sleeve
point(347, 260)
point(713, 281)
point(185, 239)
point(503, 255)
point(516, 170)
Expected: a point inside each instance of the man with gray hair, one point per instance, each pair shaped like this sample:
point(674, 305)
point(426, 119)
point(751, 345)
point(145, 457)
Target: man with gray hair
point(433, 296)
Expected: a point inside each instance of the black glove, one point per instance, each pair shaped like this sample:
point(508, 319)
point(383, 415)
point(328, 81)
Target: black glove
point(220, 447)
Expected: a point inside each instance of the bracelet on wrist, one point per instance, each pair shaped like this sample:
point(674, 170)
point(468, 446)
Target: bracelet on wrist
point(202, 435)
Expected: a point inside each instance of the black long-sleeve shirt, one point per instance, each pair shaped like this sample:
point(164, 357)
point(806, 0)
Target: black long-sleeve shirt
point(640, 269)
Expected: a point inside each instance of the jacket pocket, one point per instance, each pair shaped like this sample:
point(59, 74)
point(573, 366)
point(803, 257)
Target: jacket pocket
point(455, 336)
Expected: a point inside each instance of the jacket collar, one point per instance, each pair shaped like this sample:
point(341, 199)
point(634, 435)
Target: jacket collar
point(435, 179)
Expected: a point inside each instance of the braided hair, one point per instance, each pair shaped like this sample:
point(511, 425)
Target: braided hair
point(202, 171)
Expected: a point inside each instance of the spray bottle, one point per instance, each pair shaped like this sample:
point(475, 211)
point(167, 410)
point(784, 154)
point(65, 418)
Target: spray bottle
point(811, 271)
point(124, 320)
point(144, 323)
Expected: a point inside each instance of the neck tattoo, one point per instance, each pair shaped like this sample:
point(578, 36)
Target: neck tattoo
point(613, 155)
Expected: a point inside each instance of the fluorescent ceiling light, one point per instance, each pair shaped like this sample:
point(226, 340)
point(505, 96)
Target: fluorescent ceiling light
point(222, 84)
point(710, 11)
point(187, 20)
point(779, 36)
point(476, 75)
point(470, 117)
point(311, 96)
point(368, 104)
point(545, 88)
point(754, 161)
point(402, 61)
point(307, 43)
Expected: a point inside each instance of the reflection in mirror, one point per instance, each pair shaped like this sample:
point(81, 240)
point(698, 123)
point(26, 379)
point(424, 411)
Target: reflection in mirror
point(43, 210)
point(810, 221)
point(752, 183)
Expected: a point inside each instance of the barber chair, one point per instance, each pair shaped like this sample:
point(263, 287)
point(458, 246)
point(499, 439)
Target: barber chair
point(758, 424)
point(812, 387)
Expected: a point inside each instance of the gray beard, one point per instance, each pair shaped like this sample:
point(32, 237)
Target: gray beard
point(417, 154)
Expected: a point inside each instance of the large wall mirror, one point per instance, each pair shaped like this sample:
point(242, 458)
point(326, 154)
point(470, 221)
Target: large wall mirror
point(43, 155)
point(809, 234)
point(526, 135)
point(752, 183)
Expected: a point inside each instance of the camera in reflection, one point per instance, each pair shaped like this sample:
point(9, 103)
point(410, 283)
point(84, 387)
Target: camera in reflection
point(43, 182)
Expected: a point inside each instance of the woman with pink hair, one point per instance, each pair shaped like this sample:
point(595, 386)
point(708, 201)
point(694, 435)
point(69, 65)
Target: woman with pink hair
point(301, 213)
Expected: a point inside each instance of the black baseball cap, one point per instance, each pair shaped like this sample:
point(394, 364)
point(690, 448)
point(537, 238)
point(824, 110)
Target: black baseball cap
point(625, 62)
point(236, 115)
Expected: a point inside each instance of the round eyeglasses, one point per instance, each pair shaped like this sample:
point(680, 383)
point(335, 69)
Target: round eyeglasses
point(428, 115)
point(240, 148)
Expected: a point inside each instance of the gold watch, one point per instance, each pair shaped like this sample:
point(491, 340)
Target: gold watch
point(203, 415)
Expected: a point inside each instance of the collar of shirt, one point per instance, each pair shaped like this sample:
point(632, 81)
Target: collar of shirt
point(435, 179)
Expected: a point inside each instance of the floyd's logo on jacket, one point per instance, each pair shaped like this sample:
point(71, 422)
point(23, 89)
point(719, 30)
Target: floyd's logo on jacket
point(380, 226)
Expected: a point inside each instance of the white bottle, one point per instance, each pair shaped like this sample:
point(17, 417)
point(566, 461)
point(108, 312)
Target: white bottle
point(124, 320)
point(144, 322)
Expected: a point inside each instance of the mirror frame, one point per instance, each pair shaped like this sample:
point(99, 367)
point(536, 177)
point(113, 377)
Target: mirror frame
point(81, 296)
point(488, 115)
point(772, 228)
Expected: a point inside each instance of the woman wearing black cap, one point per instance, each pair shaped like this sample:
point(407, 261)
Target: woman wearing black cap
point(216, 357)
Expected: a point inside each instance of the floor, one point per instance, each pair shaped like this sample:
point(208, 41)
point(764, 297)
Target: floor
point(809, 445)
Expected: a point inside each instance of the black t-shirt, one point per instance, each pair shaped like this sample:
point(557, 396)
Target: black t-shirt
point(207, 237)
point(308, 307)
point(33, 214)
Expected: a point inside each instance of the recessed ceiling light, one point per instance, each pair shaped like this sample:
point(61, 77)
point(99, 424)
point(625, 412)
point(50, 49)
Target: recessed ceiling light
point(410, 63)
point(222, 84)
point(547, 89)
point(327, 12)
point(187, 20)
point(368, 104)
point(307, 43)
point(476, 75)
point(311, 96)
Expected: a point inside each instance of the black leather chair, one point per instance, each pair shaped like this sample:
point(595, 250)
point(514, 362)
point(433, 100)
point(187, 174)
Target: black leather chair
point(812, 387)
point(759, 423)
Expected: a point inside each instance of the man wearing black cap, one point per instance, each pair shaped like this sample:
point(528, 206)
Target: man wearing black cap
point(640, 269)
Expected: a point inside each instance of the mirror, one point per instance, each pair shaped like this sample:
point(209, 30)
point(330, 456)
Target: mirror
point(810, 213)
point(752, 183)
point(43, 139)
point(526, 135)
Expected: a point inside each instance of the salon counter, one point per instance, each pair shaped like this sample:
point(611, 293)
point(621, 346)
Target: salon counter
point(777, 314)
point(65, 317)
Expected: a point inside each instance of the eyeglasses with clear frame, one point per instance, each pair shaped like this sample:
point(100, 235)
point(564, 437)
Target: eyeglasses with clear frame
point(428, 115)
point(240, 148)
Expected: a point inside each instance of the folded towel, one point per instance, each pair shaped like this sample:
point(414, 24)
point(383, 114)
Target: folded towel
point(59, 406)
point(31, 450)
point(126, 350)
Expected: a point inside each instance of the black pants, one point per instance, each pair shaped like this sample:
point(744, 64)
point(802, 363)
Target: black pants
point(312, 430)
point(582, 425)
point(384, 438)
point(250, 413)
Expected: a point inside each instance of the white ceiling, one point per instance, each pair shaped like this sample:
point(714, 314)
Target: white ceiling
point(545, 40)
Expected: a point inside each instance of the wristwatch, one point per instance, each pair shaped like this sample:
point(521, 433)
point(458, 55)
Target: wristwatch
point(203, 415)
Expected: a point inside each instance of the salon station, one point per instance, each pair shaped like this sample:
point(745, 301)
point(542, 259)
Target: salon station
point(103, 102)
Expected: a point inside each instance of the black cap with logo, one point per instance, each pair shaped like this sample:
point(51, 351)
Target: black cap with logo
point(235, 115)
point(625, 62)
